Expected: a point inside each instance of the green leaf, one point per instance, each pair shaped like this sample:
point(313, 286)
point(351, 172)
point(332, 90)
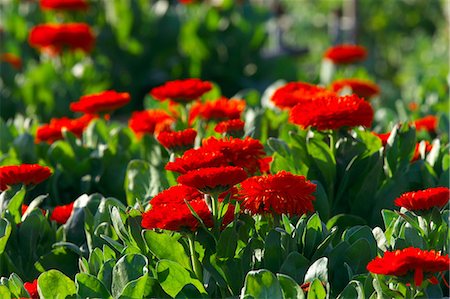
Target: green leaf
point(166, 247)
point(226, 247)
point(5, 232)
point(323, 159)
point(273, 253)
point(261, 284)
point(15, 204)
point(4, 292)
point(358, 255)
point(135, 289)
point(354, 289)
point(173, 278)
point(316, 290)
point(54, 284)
point(295, 266)
point(142, 181)
point(89, 286)
point(319, 269)
point(128, 268)
point(312, 236)
point(59, 258)
point(279, 146)
point(290, 287)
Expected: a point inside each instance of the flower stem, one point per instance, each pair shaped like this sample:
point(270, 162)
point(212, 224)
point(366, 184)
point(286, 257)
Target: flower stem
point(196, 266)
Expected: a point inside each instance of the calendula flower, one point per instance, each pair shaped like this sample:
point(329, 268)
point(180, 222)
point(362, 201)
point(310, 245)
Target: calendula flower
point(102, 102)
point(54, 130)
point(231, 127)
point(424, 199)
point(177, 141)
point(152, 121)
point(213, 179)
point(218, 110)
point(428, 123)
point(31, 288)
point(27, 174)
point(195, 159)
point(333, 112)
point(61, 214)
point(181, 91)
point(12, 59)
point(345, 54)
point(410, 262)
point(290, 94)
point(280, 193)
point(362, 88)
point(64, 4)
point(52, 38)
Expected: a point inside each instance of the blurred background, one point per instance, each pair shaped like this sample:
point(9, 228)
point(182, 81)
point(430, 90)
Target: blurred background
point(239, 45)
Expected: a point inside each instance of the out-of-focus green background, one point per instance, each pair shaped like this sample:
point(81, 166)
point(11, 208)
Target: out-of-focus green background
point(237, 44)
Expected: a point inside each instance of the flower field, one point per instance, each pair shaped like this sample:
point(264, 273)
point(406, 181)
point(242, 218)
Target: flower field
point(160, 149)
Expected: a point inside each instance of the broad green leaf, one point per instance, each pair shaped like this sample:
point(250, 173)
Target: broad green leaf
point(15, 203)
point(319, 269)
point(54, 284)
point(139, 183)
point(135, 288)
point(261, 284)
point(290, 287)
point(227, 244)
point(128, 268)
point(89, 286)
point(354, 289)
point(5, 232)
point(312, 236)
point(295, 265)
point(273, 253)
point(316, 290)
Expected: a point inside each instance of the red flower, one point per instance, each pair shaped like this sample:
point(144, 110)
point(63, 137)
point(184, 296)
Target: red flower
point(62, 213)
point(408, 261)
point(264, 164)
point(181, 91)
point(344, 54)
point(105, 101)
point(213, 179)
point(221, 109)
point(178, 141)
point(281, 193)
point(64, 4)
point(54, 37)
point(428, 123)
point(244, 153)
point(31, 288)
point(424, 199)
point(25, 208)
point(383, 137)
point(331, 113)
point(293, 93)
point(363, 88)
point(12, 59)
point(53, 131)
point(23, 174)
point(150, 121)
point(231, 127)
point(194, 159)
point(428, 148)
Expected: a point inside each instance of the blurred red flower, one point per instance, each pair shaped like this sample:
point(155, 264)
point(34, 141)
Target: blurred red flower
point(25, 208)
point(383, 137)
point(52, 38)
point(61, 214)
point(213, 179)
point(428, 148)
point(280, 193)
point(102, 102)
point(177, 141)
point(333, 112)
point(31, 288)
point(424, 199)
point(196, 158)
point(421, 263)
point(231, 127)
point(362, 88)
point(293, 93)
point(344, 54)
point(53, 131)
point(181, 91)
point(220, 109)
point(23, 174)
point(150, 121)
point(64, 4)
point(12, 59)
point(428, 123)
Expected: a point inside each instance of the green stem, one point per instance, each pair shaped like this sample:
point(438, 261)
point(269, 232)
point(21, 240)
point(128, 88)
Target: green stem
point(196, 266)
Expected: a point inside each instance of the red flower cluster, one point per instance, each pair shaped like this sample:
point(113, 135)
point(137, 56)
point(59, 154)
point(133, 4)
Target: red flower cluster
point(181, 91)
point(12, 59)
point(231, 127)
point(428, 123)
point(196, 158)
point(54, 37)
point(293, 93)
point(213, 179)
point(333, 112)
point(102, 102)
point(221, 109)
point(362, 88)
point(61, 214)
point(31, 288)
point(64, 4)
point(345, 54)
point(150, 121)
point(424, 199)
point(177, 141)
point(422, 263)
point(281, 193)
point(23, 174)
point(53, 131)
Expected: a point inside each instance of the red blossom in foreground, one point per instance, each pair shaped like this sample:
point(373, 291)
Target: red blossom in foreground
point(333, 112)
point(23, 174)
point(12, 59)
point(424, 199)
point(428, 123)
point(231, 127)
point(213, 179)
point(421, 263)
point(293, 93)
point(280, 193)
point(345, 54)
point(64, 4)
point(181, 91)
point(54, 130)
point(196, 158)
point(150, 121)
point(102, 102)
point(178, 141)
point(428, 148)
point(53, 38)
point(362, 88)
point(61, 214)
point(31, 288)
point(221, 109)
